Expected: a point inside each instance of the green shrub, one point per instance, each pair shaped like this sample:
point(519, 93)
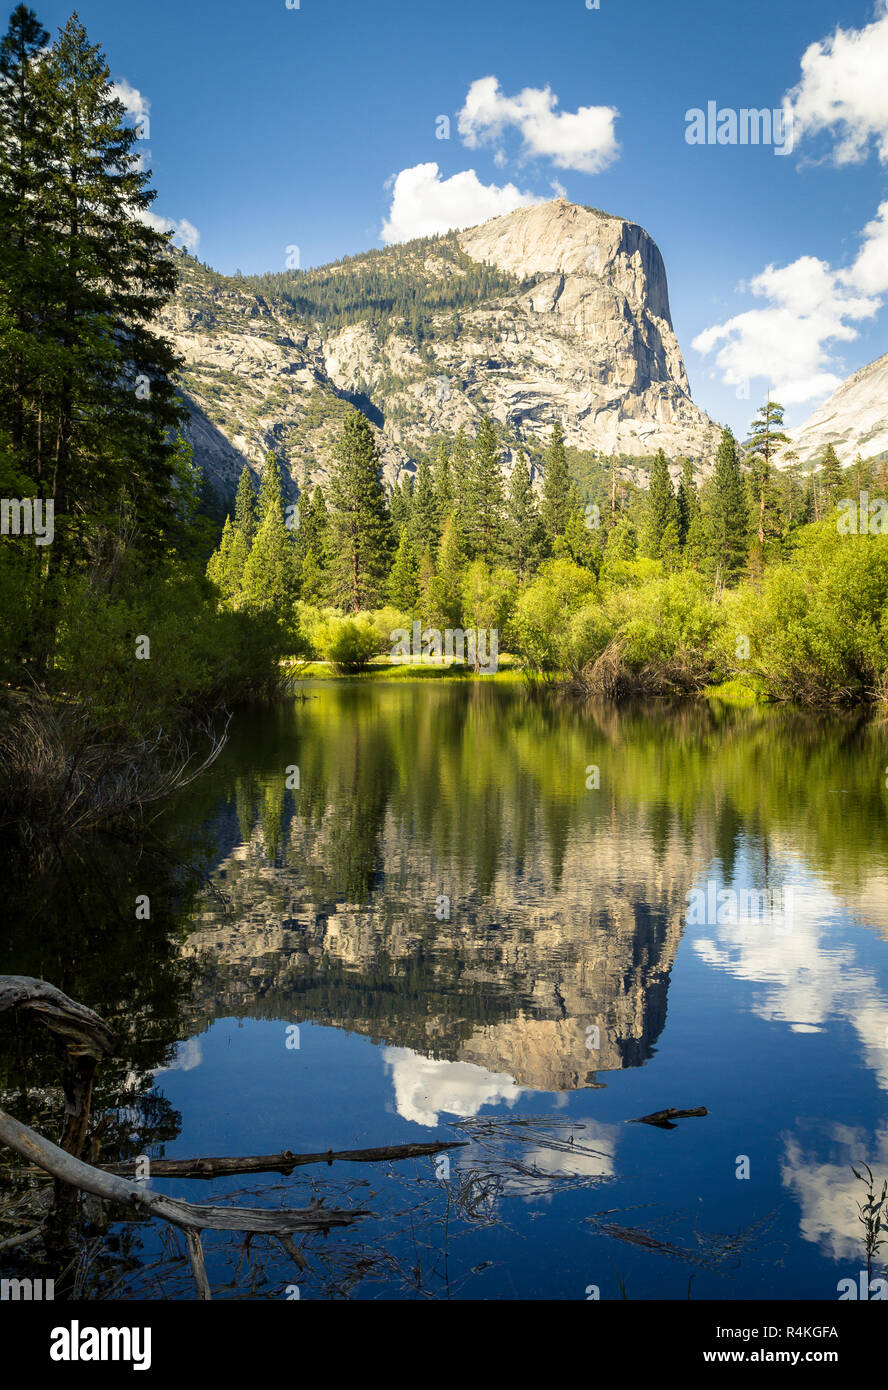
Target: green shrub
point(347, 643)
point(540, 625)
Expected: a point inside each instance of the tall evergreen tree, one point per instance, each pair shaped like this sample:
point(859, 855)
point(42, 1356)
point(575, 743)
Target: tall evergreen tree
point(24, 121)
point(271, 575)
point(525, 535)
point(401, 505)
point(691, 532)
point(270, 579)
point(727, 518)
point(93, 410)
point(765, 436)
point(445, 587)
point(830, 477)
point(460, 470)
point(661, 511)
point(402, 582)
point(443, 486)
point(482, 521)
point(360, 532)
point(687, 499)
point(245, 506)
point(557, 498)
point(423, 528)
point(271, 492)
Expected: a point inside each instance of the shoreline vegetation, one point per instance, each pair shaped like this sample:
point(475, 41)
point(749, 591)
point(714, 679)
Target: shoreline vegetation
point(134, 623)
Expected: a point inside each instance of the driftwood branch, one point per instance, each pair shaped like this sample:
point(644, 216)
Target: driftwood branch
point(64, 1167)
point(198, 1268)
point(282, 1162)
point(664, 1118)
point(81, 1031)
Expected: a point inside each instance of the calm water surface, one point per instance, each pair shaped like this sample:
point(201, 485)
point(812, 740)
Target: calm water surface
point(512, 922)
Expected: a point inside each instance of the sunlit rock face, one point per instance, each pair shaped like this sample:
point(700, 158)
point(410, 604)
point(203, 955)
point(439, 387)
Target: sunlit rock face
point(583, 335)
point(545, 981)
point(854, 419)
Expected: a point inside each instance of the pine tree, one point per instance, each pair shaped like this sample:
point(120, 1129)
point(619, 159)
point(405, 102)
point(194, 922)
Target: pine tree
point(424, 578)
point(687, 499)
point(622, 541)
point(423, 528)
point(482, 521)
point(661, 510)
point(360, 533)
point(100, 275)
point(245, 506)
point(445, 586)
point(271, 494)
point(557, 499)
point(830, 477)
point(401, 505)
point(460, 470)
point(23, 150)
point(232, 574)
point(727, 518)
point(794, 496)
point(402, 582)
point(578, 543)
point(312, 579)
point(443, 486)
point(765, 434)
point(525, 536)
point(270, 579)
point(218, 561)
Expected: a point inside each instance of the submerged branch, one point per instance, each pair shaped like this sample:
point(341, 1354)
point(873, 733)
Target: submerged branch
point(282, 1162)
point(64, 1167)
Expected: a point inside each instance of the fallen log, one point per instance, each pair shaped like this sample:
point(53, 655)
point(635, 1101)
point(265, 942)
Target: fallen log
point(283, 1162)
point(664, 1118)
point(188, 1215)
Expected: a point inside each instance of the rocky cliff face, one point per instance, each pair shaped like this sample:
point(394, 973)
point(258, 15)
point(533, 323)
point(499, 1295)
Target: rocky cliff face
point(581, 333)
point(507, 989)
point(854, 419)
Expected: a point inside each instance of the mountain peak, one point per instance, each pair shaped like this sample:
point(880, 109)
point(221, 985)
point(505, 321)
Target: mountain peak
point(854, 419)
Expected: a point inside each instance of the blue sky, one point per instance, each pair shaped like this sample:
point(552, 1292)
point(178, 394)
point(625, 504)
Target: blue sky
point(272, 127)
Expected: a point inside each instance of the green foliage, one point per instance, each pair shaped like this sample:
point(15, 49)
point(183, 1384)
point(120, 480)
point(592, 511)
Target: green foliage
point(385, 288)
point(543, 611)
point(402, 582)
point(482, 519)
point(818, 630)
point(360, 530)
point(488, 596)
point(347, 643)
point(661, 512)
point(726, 512)
point(558, 490)
point(524, 532)
point(198, 656)
point(245, 506)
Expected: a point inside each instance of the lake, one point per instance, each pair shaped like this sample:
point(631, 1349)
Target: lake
point(422, 910)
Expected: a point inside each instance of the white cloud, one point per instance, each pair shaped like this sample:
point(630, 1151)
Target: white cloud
point(189, 1054)
point(804, 978)
point(843, 90)
point(584, 139)
point(186, 234)
point(424, 203)
point(137, 105)
point(810, 306)
point(425, 1086)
